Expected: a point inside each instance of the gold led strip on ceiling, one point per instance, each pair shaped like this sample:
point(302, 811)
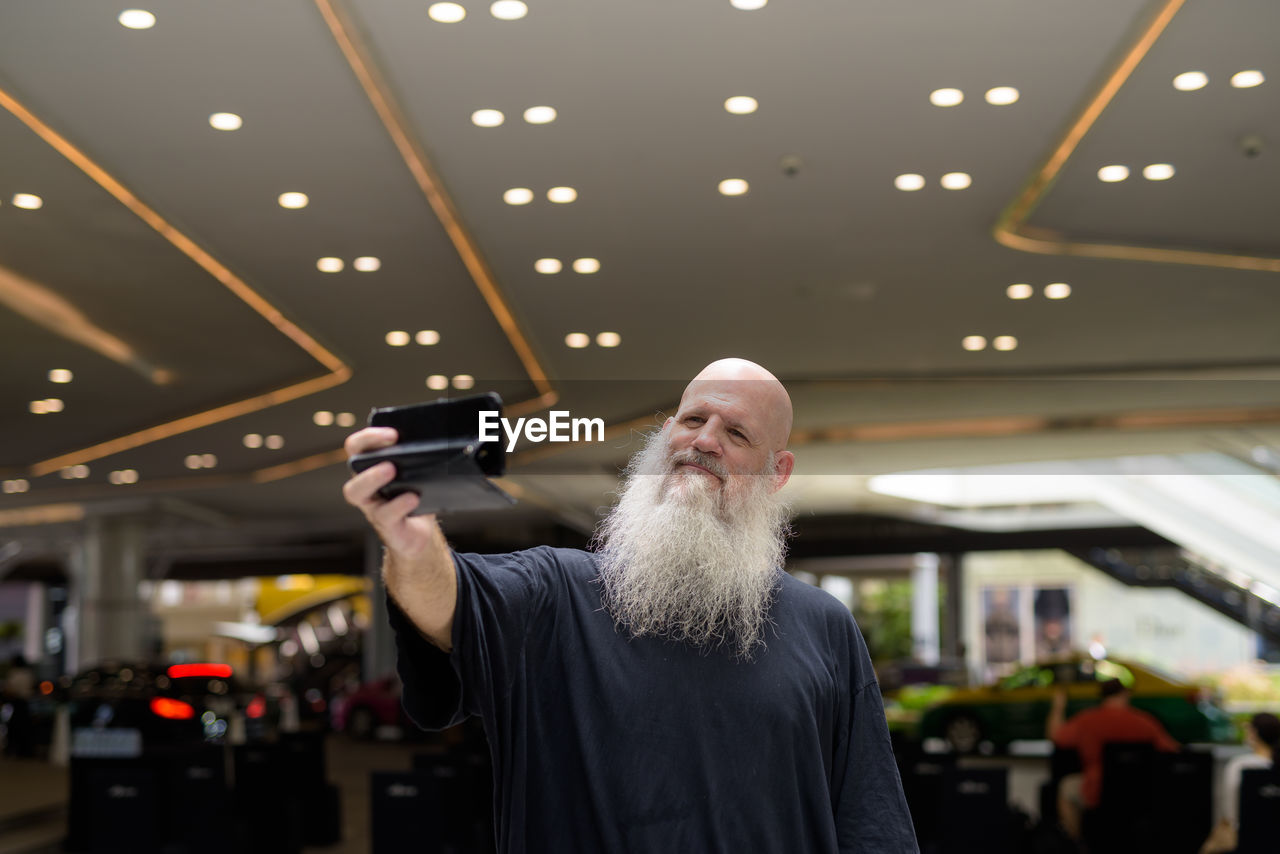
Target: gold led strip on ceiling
point(338, 371)
point(1011, 230)
point(424, 175)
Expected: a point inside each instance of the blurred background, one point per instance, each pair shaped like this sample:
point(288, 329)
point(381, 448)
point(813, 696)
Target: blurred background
point(1016, 262)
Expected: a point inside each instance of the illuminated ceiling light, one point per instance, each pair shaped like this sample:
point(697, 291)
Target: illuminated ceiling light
point(345, 419)
point(956, 180)
point(27, 202)
point(518, 196)
point(1112, 174)
point(741, 105)
point(586, 266)
point(136, 19)
point(253, 440)
point(1019, 291)
point(1005, 342)
point(547, 266)
point(608, 339)
point(192, 461)
point(1001, 96)
point(329, 265)
point(79, 472)
point(945, 97)
point(487, 118)
point(397, 338)
point(540, 115)
point(464, 381)
point(123, 476)
point(437, 382)
point(733, 187)
point(974, 342)
point(427, 337)
point(562, 195)
point(1247, 79)
point(1189, 81)
point(367, 264)
point(577, 340)
point(1158, 171)
point(37, 407)
point(59, 375)
point(293, 201)
point(322, 418)
point(748, 5)
point(275, 441)
point(225, 121)
point(16, 485)
point(66, 473)
point(909, 182)
point(52, 404)
point(1057, 290)
point(446, 13)
point(208, 460)
point(508, 10)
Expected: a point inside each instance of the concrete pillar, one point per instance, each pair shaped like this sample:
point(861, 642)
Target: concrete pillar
point(924, 608)
point(379, 641)
point(106, 618)
point(35, 622)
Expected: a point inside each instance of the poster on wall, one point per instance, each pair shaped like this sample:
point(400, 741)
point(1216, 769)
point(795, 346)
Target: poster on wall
point(1001, 628)
point(1052, 611)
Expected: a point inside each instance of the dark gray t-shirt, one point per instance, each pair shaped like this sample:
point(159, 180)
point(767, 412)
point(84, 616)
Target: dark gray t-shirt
point(605, 743)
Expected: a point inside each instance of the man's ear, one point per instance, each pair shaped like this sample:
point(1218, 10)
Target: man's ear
point(667, 423)
point(784, 463)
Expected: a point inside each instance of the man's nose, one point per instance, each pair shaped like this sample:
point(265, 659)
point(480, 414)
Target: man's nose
point(706, 442)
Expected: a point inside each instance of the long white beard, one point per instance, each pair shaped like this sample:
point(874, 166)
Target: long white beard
point(683, 558)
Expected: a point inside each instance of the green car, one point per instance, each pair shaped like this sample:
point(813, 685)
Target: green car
point(1017, 706)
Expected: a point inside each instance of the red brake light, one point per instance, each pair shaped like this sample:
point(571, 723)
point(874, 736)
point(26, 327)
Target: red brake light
point(217, 671)
point(257, 707)
point(46, 687)
point(174, 710)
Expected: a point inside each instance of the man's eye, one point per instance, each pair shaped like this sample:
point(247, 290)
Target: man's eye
point(692, 419)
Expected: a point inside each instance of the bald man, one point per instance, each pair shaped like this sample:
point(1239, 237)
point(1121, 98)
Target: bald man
point(673, 689)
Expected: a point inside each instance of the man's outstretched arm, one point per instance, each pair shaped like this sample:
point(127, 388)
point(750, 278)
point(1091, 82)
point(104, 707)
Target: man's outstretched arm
point(417, 568)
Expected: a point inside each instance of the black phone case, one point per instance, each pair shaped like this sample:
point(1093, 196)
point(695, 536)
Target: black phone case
point(439, 454)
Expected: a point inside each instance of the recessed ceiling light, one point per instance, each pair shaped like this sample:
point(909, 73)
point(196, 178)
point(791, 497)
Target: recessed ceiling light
point(608, 339)
point(1113, 173)
point(1057, 290)
point(464, 382)
point(225, 121)
point(518, 196)
point(59, 375)
point(293, 201)
point(323, 418)
point(1005, 342)
point(1189, 81)
point(208, 460)
point(586, 265)
point(252, 440)
point(80, 472)
point(945, 97)
point(974, 342)
point(741, 105)
point(46, 406)
point(577, 340)
point(446, 13)
point(27, 201)
point(909, 182)
point(1247, 79)
point(1001, 96)
point(67, 473)
point(562, 195)
point(123, 476)
point(547, 266)
point(275, 441)
point(540, 115)
point(1158, 171)
point(508, 10)
point(329, 265)
point(397, 338)
point(956, 180)
point(1019, 291)
point(437, 382)
point(18, 484)
point(487, 118)
point(137, 19)
point(345, 419)
point(733, 187)
point(748, 5)
point(427, 337)
point(367, 264)
point(193, 461)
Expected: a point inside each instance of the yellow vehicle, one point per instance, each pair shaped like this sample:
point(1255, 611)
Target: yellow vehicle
point(1017, 706)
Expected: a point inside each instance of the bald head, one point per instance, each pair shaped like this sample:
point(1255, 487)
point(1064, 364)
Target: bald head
point(756, 390)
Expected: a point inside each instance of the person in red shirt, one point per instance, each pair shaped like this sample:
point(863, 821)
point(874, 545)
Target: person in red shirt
point(1087, 733)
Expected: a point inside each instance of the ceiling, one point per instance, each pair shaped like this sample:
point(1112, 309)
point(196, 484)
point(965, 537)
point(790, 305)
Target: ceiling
point(161, 271)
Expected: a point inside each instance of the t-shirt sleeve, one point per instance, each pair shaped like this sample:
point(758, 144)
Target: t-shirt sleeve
point(1068, 735)
point(497, 597)
point(870, 808)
